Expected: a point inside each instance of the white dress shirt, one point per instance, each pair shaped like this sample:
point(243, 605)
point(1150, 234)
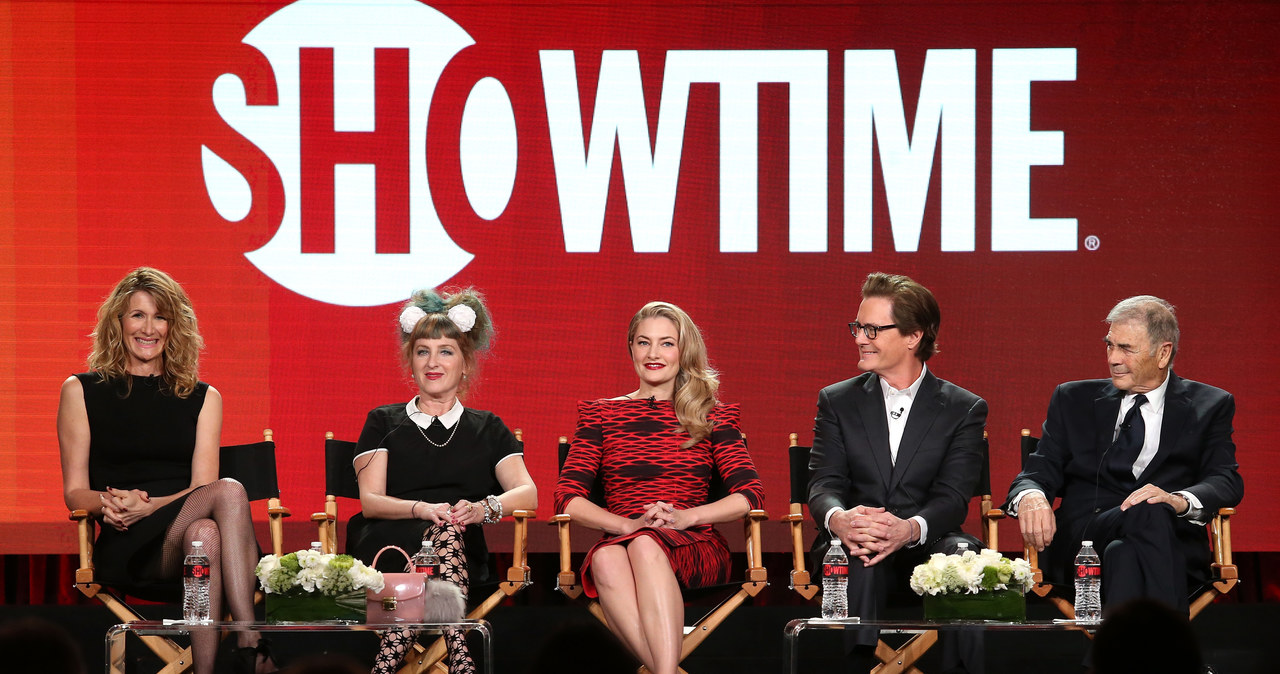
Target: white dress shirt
point(897, 407)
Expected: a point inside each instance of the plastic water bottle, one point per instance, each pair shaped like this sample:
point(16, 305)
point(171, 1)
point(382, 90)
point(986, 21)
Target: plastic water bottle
point(316, 547)
point(835, 582)
point(195, 585)
point(1088, 585)
point(427, 561)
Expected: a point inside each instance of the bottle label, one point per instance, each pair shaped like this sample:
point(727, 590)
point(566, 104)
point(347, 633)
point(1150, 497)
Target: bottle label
point(1088, 570)
point(428, 570)
point(835, 570)
point(196, 571)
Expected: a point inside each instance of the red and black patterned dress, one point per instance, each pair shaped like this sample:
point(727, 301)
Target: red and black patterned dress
point(633, 446)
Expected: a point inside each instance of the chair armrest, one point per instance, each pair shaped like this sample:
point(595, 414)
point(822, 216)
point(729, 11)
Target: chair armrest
point(1220, 531)
point(566, 580)
point(518, 573)
point(755, 552)
point(84, 539)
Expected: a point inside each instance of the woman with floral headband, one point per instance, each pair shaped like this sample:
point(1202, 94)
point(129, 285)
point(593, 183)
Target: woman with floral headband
point(139, 436)
point(655, 451)
point(432, 469)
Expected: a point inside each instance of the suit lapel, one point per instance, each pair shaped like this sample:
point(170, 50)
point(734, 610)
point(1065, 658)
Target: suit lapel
point(1177, 409)
point(1106, 408)
point(924, 411)
point(871, 409)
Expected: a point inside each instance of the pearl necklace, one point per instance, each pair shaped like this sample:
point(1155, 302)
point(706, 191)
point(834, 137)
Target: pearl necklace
point(451, 433)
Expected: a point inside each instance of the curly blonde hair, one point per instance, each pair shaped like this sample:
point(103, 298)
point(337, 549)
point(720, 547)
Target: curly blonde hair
point(437, 325)
point(110, 357)
point(697, 382)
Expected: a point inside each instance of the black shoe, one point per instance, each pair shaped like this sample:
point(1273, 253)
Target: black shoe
point(246, 658)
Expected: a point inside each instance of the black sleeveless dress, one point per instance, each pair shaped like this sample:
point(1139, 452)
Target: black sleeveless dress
point(142, 438)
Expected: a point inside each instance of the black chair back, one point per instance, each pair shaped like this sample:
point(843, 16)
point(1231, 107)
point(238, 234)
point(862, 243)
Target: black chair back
point(339, 474)
point(252, 465)
point(1029, 444)
point(798, 456)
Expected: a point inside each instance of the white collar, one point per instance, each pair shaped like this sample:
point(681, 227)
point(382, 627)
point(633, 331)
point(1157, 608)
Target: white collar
point(909, 391)
point(423, 420)
point(1155, 397)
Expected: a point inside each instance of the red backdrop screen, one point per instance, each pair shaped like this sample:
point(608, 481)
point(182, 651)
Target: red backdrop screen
point(301, 168)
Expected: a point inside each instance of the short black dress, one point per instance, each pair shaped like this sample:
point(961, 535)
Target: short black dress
point(141, 436)
point(465, 468)
point(633, 447)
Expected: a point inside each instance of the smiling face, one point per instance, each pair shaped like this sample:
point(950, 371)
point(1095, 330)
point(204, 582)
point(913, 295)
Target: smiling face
point(891, 353)
point(144, 330)
point(1134, 367)
point(655, 353)
point(437, 366)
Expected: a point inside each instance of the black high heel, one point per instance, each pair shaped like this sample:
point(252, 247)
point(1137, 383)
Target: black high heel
point(246, 658)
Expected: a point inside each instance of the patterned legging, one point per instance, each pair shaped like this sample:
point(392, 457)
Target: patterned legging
point(447, 540)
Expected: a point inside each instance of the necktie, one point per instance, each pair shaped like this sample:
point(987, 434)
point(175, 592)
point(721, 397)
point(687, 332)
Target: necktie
point(1128, 444)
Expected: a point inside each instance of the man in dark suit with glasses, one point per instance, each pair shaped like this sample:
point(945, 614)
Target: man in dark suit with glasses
point(896, 453)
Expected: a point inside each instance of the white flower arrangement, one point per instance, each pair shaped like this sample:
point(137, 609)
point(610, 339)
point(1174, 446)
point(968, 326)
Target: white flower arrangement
point(308, 571)
point(971, 572)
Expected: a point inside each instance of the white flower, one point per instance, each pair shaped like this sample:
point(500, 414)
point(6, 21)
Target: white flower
point(312, 571)
point(410, 317)
point(462, 316)
point(971, 572)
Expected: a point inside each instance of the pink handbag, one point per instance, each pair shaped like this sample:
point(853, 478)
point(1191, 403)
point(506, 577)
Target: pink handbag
point(403, 598)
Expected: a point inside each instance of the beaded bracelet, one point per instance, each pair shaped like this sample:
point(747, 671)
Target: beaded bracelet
point(492, 509)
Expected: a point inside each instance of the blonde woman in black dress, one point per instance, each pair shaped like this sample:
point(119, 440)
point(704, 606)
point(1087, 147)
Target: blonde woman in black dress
point(139, 437)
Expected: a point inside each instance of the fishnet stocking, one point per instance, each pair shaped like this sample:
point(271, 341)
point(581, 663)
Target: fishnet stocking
point(218, 515)
point(447, 540)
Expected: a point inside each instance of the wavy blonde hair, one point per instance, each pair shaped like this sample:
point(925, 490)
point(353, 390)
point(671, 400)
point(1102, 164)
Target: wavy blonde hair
point(437, 325)
point(697, 382)
point(182, 345)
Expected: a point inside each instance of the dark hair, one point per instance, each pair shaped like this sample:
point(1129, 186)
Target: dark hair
point(914, 308)
point(33, 644)
point(1145, 635)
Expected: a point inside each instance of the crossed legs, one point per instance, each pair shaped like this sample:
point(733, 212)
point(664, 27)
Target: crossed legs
point(218, 515)
point(447, 540)
point(641, 600)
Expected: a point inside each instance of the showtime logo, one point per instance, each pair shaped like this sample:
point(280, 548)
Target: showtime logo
point(359, 227)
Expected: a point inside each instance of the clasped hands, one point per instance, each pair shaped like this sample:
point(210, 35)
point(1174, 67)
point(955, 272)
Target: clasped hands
point(661, 515)
point(1038, 523)
point(871, 533)
point(123, 507)
point(460, 514)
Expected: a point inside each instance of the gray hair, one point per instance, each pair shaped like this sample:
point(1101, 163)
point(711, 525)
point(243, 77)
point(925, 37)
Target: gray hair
point(1153, 313)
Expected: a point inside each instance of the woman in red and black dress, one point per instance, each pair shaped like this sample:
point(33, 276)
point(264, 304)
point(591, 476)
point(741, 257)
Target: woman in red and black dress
point(655, 451)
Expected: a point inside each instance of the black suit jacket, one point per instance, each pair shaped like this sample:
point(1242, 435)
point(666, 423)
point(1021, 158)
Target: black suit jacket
point(1196, 454)
point(939, 458)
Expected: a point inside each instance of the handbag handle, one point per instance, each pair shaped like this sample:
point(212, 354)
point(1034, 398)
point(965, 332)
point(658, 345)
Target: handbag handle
point(407, 559)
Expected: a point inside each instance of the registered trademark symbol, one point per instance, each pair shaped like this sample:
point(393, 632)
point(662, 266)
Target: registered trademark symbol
point(1091, 242)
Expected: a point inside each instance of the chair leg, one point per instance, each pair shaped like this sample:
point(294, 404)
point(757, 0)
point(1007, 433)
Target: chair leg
point(904, 657)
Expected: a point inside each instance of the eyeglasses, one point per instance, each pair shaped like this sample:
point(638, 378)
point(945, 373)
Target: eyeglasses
point(867, 329)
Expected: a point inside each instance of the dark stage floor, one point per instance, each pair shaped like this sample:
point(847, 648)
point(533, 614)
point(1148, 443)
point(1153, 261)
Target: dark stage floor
point(1233, 637)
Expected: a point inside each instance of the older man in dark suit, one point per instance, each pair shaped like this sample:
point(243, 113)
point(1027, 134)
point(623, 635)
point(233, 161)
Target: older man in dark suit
point(1141, 461)
point(896, 451)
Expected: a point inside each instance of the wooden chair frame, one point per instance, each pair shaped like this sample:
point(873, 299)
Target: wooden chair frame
point(755, 581)
point(1223, 573)
point(176, 658)
point(432, 658)
point(892, 660)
